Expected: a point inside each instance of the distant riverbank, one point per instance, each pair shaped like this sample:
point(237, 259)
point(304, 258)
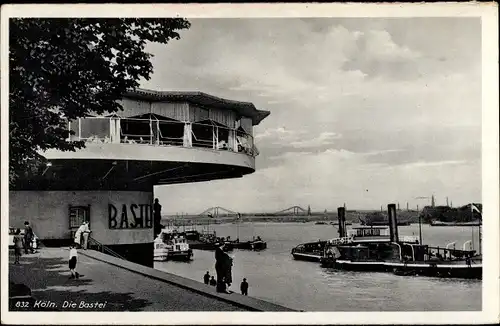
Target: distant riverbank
point(351, 217)
point(223, 220)
point(437, 214)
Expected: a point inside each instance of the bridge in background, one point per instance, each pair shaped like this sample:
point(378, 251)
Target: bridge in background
point(218, 211)
point(294, 210)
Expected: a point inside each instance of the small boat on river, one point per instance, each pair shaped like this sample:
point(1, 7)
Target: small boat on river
point(311, 251)
point(256, 244)
point(205, 240)
point(170, 245)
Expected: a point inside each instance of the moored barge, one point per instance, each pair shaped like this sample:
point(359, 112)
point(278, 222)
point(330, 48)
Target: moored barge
point(404, 258)
point(359, 235)
point(255, 244)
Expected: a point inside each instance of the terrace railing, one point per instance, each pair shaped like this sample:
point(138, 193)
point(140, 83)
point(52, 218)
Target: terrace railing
point(162, 133)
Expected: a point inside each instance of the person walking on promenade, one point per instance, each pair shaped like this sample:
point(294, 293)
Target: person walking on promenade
point(213, 282)
point(28, 238)
point(244, 287)
point(72, 261)
point(206, 278)
point(85, 235)
point(18, 246)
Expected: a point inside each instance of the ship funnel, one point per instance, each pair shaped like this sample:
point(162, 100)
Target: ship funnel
point(393, 223)
point(341, 217)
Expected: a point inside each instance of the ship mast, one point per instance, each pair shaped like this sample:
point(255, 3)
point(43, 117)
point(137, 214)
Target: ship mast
point(472, 226)
point(238, 228)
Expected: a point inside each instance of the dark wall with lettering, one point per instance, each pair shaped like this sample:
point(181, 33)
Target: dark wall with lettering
point(132, 216)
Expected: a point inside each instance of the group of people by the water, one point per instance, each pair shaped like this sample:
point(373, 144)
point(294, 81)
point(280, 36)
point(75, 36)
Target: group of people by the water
point(223, 269)
point(210, 280)
point(23, 241)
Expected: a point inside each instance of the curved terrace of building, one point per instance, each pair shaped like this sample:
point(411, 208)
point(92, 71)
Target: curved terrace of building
point(158, 138)
point(156, 130)
point(168, 118)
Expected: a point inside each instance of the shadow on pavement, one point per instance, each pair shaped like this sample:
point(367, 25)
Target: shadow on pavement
point(43, 284)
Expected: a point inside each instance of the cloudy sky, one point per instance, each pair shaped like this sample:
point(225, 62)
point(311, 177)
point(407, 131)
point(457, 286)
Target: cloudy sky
point(363, 111)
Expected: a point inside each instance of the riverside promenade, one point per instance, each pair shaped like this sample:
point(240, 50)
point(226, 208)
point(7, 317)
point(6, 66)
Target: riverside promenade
point(112, 284)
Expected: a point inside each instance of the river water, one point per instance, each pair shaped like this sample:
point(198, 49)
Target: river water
point(275, 276)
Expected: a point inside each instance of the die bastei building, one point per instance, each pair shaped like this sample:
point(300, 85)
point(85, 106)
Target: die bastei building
point(159, 138)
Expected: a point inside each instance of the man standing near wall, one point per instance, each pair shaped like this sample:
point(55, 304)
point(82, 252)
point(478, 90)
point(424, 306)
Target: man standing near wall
point(28, 238)
point(79, 234)
point(85, 234)
point(157, 217)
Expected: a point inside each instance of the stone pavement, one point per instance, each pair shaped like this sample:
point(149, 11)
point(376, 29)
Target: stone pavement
point(117, 285)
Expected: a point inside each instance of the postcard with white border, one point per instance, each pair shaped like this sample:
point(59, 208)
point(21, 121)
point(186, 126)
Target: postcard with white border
point(250, 164)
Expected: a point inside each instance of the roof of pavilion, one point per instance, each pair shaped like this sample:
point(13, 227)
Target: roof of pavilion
point(245, 109)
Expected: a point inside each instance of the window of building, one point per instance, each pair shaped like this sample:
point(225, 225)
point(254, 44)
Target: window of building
point(94, 128)
point(78, 215)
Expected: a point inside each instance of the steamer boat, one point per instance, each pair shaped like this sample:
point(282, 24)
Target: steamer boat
point(170, 245)
point(404, 257)
point(408, 259)
point(359, 235)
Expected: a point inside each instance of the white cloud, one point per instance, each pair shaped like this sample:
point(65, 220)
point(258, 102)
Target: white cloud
point(280, 134)
point(289, 155)
point(423, 164)
point(325, 138)
point(414, 165)
point(380, 46)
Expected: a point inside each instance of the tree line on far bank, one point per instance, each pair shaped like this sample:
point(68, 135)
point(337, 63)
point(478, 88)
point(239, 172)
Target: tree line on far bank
point(451, 214)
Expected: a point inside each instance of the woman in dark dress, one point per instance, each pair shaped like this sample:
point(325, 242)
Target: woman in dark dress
point(223, 264)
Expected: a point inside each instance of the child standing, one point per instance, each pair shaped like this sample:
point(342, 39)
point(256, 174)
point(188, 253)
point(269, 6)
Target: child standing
point(72, 262)
point(18, 246)
point(244, 287)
